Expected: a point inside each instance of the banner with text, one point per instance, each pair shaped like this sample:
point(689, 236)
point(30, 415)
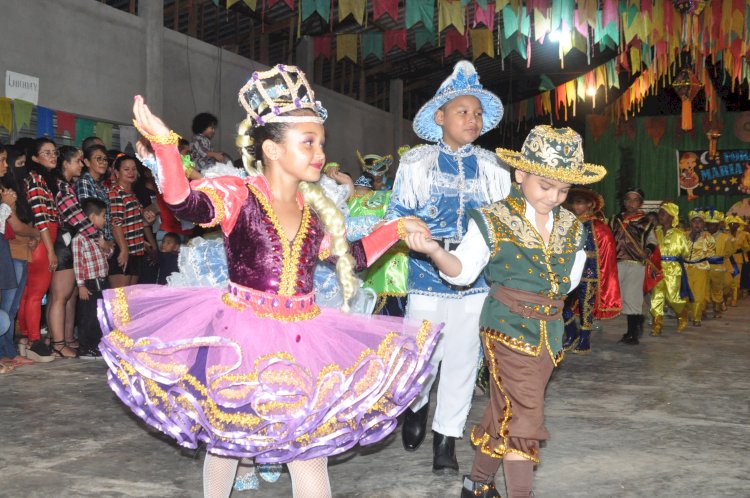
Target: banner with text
point(726, 173)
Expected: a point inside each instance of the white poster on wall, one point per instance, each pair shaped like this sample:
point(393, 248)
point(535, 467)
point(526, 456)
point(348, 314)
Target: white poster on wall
point(22, 86)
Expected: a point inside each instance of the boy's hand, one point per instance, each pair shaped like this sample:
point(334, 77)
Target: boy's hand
point(9, 197)
point(149, 216)
point(415, 225)
point(83, 293)
point(122, 259)
point(419, 243)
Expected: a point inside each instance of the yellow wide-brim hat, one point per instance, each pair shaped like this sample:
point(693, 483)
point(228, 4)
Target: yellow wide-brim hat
point(555, 153)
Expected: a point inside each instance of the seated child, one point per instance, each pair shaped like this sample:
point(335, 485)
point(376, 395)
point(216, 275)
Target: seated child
point(531, 252)
point(167, 258)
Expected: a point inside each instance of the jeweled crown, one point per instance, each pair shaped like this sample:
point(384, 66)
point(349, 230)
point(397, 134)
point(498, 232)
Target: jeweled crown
point(270, 95)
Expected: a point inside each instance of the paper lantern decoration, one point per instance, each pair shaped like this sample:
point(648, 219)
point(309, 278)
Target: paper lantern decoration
point(712, 135)
point(687, 87)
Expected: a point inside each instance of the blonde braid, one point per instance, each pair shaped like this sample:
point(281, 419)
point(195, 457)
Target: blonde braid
point(334, 222)
point(244, 142)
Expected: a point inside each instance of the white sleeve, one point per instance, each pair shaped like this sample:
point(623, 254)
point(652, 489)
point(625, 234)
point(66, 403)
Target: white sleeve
point(5, 212)
point(577, 270)
point(473, 254)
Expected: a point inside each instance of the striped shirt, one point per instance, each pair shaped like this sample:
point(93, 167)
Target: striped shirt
point(126, 213)
point(41, 200)
point(70, 210)
point(89, 261)
point(86, 187)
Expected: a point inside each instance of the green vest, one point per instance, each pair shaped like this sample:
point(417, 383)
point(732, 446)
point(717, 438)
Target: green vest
point(520, 260)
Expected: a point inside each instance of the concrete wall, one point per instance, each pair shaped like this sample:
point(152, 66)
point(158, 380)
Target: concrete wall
point(90, 60)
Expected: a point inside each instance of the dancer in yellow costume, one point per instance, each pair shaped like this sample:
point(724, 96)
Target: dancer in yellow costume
point(674, 249)
point(702, 247)
point(741, 246)
point(720, 267)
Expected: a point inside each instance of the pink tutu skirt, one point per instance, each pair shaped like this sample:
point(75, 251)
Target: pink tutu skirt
point(201, 369)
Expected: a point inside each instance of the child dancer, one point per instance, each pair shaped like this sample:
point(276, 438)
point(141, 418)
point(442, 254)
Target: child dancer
point(531, 252)
point(721, 271)
point(598, 296)
point(439, 184)
point(741, 246)
point(258, 370)
point(702, 248)
point(672, 288)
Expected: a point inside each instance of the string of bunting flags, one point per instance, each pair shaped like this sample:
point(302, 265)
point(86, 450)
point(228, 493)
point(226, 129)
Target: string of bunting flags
point(16, 114)
point(648, 35)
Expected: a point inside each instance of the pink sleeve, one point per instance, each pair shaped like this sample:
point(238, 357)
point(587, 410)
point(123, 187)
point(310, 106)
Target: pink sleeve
point(227, 194)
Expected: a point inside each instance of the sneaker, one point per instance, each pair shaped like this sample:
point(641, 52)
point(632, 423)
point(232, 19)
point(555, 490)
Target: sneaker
point(91, 353)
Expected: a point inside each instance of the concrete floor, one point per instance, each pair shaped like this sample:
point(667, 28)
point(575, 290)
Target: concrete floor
point(668, 418)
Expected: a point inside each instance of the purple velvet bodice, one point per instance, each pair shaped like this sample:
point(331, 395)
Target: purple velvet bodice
point(256, 255)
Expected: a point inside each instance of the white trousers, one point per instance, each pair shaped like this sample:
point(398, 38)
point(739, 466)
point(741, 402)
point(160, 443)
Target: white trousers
point(456, 353)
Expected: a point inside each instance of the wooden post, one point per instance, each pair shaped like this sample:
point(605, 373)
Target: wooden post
point(176, 18)
point(362, 85)
point(193, 19)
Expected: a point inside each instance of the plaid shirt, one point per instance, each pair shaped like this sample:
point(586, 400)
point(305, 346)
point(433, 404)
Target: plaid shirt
point(126, 212)
point(86, 187)
point(89, 261)
point(70, 210)
point(200, 146)
point(41, 200)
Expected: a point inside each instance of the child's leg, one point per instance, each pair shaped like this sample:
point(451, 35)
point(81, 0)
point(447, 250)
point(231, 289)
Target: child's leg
point(658, 297)
point(218, 475)
point(310, 478)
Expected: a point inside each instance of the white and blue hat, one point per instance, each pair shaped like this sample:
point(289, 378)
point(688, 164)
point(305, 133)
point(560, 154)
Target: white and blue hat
point(463, 81)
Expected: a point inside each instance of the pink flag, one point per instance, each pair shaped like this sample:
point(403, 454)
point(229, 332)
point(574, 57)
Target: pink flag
point(485, 16)
point(455, 42)
point(66, 122)
point(380, 7)
point(322, 46)
point(394, 38)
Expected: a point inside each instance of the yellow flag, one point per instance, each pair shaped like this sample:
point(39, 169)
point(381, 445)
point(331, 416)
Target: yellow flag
point(542, 23)
point(346, 46)
point(354, 7)
point(6, 114)
point(481, 43)
point(253, 4)
point(451, 13)
point(231, 2)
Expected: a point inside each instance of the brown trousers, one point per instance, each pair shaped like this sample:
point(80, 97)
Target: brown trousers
point(513, 421)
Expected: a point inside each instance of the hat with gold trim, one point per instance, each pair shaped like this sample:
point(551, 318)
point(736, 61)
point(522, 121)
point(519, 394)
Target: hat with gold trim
point(555, 153)
point(696, 213)
point(713, 215)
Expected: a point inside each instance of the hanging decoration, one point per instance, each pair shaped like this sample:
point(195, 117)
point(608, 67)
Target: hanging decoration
point(713, 136)
point(687, 87)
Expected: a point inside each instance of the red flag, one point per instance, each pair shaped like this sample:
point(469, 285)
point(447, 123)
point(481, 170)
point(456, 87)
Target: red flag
point(380, 7)
point(485, 16)
point(322, 46)
point(66, 122)
point(456, 42)
point(289, 3)
point(394, 38)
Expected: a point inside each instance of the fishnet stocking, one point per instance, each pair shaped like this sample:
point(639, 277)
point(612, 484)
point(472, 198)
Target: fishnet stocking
point(310, 478)
point(218, 475)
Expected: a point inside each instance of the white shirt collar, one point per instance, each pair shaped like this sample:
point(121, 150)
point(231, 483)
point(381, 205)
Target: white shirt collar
point(530, 215)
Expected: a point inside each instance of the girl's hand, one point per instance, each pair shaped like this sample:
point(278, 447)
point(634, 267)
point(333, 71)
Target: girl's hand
point(419, 243)
point(145, 121)
point(9, 197)
point(122, 259)
point(415, 225)
point(52, 261)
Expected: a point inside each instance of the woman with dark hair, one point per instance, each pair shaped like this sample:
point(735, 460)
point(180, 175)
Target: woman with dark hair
point(201, 150)
point(21, 246)
point(91, 183)
point(62, 296)
point(128, 225)
point(41, 189)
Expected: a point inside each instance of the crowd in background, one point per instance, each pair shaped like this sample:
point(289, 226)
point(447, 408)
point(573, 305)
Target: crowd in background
point(73, 222)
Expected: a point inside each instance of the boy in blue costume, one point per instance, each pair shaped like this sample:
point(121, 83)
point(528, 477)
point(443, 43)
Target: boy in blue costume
point(439, 183)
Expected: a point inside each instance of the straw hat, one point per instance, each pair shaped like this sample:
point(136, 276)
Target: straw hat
point(555, 153)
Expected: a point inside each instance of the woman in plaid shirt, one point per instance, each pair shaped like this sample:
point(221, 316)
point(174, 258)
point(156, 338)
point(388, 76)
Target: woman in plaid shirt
point(41, 188)
point(62, 302)
point(128, 227)
point(91, 183)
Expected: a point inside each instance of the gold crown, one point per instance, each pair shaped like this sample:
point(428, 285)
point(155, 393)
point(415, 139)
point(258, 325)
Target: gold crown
point(269, 95)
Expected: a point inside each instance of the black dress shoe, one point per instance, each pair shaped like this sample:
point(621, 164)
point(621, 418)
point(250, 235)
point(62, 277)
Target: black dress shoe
point(444, 454)
point(414, 428)
point(473, 489)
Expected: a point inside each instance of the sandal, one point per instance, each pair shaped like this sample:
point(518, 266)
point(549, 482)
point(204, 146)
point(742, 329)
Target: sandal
point(5, 368)
point(23, 345)
point(58, 347)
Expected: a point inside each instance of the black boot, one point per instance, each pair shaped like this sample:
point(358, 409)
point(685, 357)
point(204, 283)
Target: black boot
point(633, 324)
point(641, 319)
point(627, 333)
point(444, 454)
point(414, 428)
point(473, 489)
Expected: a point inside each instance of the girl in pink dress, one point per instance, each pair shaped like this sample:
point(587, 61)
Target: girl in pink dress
point(258, 370)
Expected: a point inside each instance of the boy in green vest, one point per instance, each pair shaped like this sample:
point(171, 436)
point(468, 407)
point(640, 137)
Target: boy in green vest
point(531, 251)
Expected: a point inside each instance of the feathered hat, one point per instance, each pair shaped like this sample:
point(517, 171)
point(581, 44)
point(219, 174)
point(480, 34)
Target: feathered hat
point(463, 81)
